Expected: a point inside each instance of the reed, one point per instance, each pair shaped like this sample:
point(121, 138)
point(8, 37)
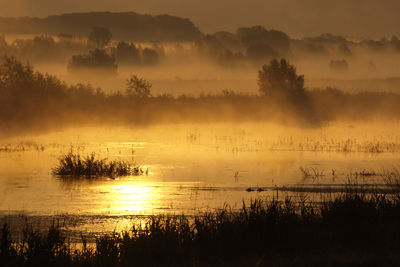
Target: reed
point(73, 164)
point(351, 229)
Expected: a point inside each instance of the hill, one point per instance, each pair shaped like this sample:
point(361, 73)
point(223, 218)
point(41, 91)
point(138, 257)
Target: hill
point(124, 26)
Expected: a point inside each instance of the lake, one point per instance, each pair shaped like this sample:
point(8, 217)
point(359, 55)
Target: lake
point(191, 168)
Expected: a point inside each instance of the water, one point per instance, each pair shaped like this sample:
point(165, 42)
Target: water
point(191, 169)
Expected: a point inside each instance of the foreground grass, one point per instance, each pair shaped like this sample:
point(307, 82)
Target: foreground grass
point(352, 229)
point(74, 165)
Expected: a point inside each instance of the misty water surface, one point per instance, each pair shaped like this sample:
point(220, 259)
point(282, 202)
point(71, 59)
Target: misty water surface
point(191, 168)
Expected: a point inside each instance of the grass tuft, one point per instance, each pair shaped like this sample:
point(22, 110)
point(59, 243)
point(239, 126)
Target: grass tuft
point(74, 165)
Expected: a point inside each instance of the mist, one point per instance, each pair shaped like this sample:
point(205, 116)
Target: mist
point(76, 80)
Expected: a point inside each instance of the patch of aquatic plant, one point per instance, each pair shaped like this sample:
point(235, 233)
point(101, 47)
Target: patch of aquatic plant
point(392, 179)
point(22, 147)
point(352, 229)
point(315, 173)
point(366, 173)
point(340, 146)
point(325, 189)
point(311, 172)
point(73, 164)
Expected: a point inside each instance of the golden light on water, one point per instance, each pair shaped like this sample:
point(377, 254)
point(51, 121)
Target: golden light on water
point(130, 197)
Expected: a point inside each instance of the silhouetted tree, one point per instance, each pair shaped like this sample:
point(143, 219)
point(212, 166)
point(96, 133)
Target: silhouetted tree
point(310, 47)
point(97, 59)
point(328, 38)
point(258, 35)
point(375, 46)
point(40, 48)
point(25, 93)
point(43, 46)
point(138, 87)
point(260, 52)
point(280, 78)
point(100, 36)
point(228, 40)
point(127, 53)
point(230, 59)
point(123, 25)
point(210, 45)
point(248, 34)
point(280, 81)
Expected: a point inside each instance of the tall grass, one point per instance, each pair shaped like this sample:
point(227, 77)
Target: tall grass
point(352, 229)
point(73, 164)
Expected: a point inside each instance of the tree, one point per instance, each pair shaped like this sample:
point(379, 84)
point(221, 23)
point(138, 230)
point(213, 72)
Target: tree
point(96, 60)
point(100, 36)
point(210, 45)
point(280, 81)
point(43, 47)
point(280, 78)
point(258, 35)
point(127, 53)
point(260, 52)
point(138, 87)
point(230, 59)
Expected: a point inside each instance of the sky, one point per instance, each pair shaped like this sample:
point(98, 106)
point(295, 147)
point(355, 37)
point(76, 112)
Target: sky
point(358, 18)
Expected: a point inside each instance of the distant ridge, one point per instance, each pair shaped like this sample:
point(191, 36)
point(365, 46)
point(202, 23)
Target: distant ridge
point(123, 25)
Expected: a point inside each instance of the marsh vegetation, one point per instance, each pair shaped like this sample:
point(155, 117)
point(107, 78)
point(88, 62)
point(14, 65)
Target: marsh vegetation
point(75, 165)
point(341, 229)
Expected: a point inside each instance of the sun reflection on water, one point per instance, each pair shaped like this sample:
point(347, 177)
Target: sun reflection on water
point(132, 197)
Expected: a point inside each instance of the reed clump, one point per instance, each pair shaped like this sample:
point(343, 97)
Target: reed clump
point(73, 164)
